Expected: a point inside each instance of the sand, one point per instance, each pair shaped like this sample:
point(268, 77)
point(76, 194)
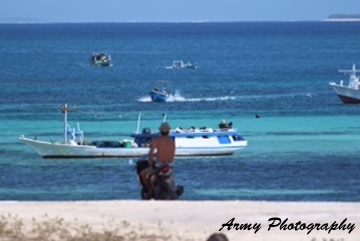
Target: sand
point(181, 220)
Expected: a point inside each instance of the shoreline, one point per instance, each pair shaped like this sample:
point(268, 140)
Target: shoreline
point(186, 220)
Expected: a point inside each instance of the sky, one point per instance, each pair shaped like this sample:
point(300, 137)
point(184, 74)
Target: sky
point(172, 10)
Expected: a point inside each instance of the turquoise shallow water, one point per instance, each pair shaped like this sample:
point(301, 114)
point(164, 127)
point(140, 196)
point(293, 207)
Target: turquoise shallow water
point(304, 146)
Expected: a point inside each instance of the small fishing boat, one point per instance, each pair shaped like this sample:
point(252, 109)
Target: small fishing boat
point(349, 94)
point(100, 59)
point(190, 142)
point(198, 141)
point(179, 64)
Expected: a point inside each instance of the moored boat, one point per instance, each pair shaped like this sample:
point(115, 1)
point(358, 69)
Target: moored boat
point(199, 141)
point(191, 142)
point(179, 64)
point(349, 94)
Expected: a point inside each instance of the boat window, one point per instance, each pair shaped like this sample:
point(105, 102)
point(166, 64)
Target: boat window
point(190, 137)
point(205, 137)
point(224, 139)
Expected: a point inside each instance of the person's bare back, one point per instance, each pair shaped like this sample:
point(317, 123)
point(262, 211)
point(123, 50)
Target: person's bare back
point(164, 149)
point(163, 146)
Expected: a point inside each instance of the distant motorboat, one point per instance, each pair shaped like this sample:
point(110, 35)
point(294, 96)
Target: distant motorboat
point(161, 91)
point(179, 64)
point(349, 94)
point(158, 95)
point(101, 59)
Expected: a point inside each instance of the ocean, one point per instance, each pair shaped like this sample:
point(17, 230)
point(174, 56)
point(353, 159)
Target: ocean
point(305, 146)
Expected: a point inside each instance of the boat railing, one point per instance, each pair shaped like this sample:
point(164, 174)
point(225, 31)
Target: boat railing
point(202, 130)
point(75, 133)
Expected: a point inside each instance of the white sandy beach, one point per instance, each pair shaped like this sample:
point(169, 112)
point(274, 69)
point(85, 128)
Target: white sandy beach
point(191, 220)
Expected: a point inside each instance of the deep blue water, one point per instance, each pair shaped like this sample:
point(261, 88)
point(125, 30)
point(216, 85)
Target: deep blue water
point(304, 147)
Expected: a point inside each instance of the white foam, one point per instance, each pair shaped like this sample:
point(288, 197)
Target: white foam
point(177, 97)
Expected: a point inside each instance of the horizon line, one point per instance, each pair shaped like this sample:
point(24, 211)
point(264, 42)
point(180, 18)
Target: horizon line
point(197, 21)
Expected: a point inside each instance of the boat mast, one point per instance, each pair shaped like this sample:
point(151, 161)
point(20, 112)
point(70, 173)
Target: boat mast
point(138, 124)
point(353, 80)
point(352, 71)
point(64, 109)
point(164, 117)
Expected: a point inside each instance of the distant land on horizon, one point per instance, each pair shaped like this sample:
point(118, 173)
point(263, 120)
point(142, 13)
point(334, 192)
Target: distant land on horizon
point(344, 17)
point(15, 20)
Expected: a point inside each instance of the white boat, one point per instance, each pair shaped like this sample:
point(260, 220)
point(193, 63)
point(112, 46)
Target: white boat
point(191, 142)
point(179, 64)
point(76, 150)
point(349, 94)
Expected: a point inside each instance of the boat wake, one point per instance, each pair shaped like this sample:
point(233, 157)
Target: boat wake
point(240, 97)
point(178, 98)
